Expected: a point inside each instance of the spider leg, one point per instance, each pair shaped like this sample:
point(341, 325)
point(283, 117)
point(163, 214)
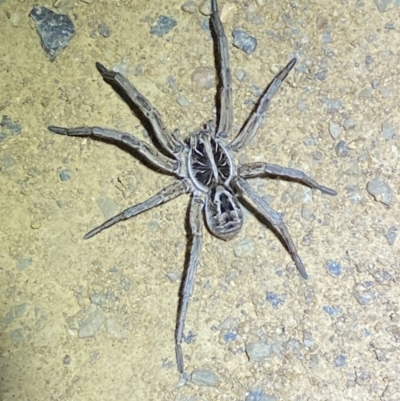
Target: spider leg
point(250, 128)
point(169, 141)
point(274, 219)
point(122, 138)
point(196, 228)
point(224, 98)
point(256, 169)
point(165, 195)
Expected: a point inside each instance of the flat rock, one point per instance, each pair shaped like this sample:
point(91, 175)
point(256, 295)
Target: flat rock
point(55, 30)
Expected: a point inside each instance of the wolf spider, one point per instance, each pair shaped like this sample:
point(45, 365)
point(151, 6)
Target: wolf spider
point(204, 165)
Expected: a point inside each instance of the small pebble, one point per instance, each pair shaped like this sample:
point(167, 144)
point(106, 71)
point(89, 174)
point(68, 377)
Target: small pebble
point(104, 30)
point(55, 30)
point(205, 378)
point(332, 311)
point(108, 207)
point(382, 277)
point(243, 41)
point(386, 92)
point(230, 323)
point(91, 324)
point(391, 235)
point(114, 329)
point(245, 246)
point(24, 263)
point(183, 101)
point(204, 77)
point(65, 175)
point(20, 310)
point(66, 360)
point(257, 351)
point(334, 268)
point(327, 37)
point(16, 336)
point(363, 297)
point(332, 104)
point(163, 25)
point(240, 74)
point(369, 60)
point(205, 8)
point(255, 395)
point(174, 276)
point(275, 300)
point(340, 360)
point(375, 83)
point(349, 124)
point(190, 7)
point(98, 299)
point(381, 191)
point(9, 127)
point(230, 336)
point(388, 131)
point(341, 149)
point(14, 18)
point(365, 93)
point(362, 377)
point(334, 129)
point(301, 106)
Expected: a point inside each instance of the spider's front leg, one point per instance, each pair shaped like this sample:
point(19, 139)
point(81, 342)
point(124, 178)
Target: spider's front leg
point(224, 99)
point(274, 219)
point(187, 285)
point(251, 126)
point(169, 141)
point(123, 139)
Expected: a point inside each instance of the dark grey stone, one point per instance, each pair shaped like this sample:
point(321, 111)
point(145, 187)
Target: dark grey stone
point(163, 25)
point(55, 30)
point(243, 41)
point(9, 127)
point(341, 149)
point(64, 175)
point(104, 30)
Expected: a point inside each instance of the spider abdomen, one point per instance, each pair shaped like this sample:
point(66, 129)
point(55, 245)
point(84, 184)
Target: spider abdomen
point(223, 212)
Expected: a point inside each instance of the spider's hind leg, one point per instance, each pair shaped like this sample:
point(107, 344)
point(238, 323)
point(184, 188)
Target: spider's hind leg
point(275, 220)
point(187, 285)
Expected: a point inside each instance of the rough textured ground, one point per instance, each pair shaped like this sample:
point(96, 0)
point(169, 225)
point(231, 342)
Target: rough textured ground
point(94, 320)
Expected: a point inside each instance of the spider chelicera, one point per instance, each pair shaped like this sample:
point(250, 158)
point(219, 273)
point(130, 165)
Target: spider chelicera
point(204, 165)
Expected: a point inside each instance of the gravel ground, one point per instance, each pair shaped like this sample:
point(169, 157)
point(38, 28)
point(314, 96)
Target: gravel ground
point(94, 320)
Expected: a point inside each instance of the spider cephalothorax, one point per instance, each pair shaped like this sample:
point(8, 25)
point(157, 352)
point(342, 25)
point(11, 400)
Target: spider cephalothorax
point(204, 167)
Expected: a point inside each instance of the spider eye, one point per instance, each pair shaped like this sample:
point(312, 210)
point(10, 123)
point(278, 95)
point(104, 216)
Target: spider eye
point(224, 215)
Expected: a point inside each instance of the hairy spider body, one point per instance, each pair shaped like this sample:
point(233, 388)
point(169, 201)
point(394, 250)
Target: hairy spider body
point(205, 167)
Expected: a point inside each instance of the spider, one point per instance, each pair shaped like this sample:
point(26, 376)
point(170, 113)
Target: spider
point(205, 166)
